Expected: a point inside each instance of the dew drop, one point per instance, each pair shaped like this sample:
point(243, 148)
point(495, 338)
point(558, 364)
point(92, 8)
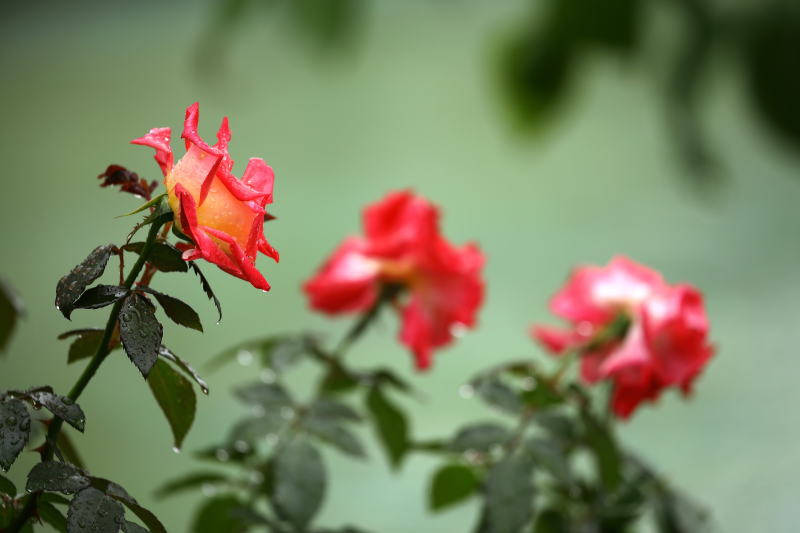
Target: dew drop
point(258, 410)
point(244, 357)
point(529, 383)
point(176, 449)
point(472, 456)
point(256, 477)
point(466, 391)
point(222, 455)
point(241, 446)
point(11, 421)
point(458, 330)
point(271, 439)
point(208, 489)
point(204, 389)
point(267, 376)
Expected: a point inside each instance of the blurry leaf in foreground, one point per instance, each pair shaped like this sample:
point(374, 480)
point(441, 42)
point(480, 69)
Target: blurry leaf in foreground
point(298, 483)
point(391, 425)
point(11, 309)
point(509, 495)
point(219, 515)
point(451, 484)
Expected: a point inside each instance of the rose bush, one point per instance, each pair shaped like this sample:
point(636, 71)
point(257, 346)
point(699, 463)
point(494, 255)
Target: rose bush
point(402, 246)
point(222, 215)
point(632, 328)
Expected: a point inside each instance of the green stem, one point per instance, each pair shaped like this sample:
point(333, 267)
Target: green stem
point(88, 373)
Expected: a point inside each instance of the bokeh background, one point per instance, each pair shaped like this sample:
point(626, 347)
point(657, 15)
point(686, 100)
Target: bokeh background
point(414, 94)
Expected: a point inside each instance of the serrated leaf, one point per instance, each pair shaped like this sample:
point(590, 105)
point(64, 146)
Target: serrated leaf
point(164, 256)
point(52, 516)
point(140, 332)
point(207, 288)
point(56, 477)
point(218, 515)
point(130, 527)
point(190, 481)
point(451, 484)
point(7, 487)
point(11, 309)
point(100, 296)
point(298, 483)
point(391, 425)
point(71, 286)
point(509, 495)
point(63, 407)
point(184, 367)
point(480, 437)
point(121, 495)
point(175, 396)
point(178, 311)
point(91, 511)
point(15, 430)
point(271, 396)
point(334, 433)
point(498, 395)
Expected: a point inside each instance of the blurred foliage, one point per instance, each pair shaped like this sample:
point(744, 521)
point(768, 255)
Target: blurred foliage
point(538, 63)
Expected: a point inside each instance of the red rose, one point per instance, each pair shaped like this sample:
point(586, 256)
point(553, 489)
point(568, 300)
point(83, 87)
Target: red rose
point(402, 246)
point(223, 216)
point(632, 328)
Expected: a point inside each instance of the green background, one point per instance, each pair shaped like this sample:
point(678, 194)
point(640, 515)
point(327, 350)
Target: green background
point(413, 103)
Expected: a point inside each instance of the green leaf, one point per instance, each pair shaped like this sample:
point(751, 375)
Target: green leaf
point(497, 394)
point(604, 448)
point(219, 515)
point(251, 430)
point(71, 286)
point(164, 256)
point(329, 408)
point(549, 454)
point(339, 379)
point(178, 311)
point(189, 481)
point(140, 332)
point(676, 514)
point(91, 511)
point(509, 495)
point(68, 449)
point(85, 344)
point(184, 367)
point(541, 396)
point(56, 477)
point(207, 288)
point(451, 484)
point(298, 483)
point(100, 296)
point(391, 425)
point(50, 514)
point(270, 396)
point(121, 495)
point(63, 407)
point(7, 487)
point(15, 430)
point(150, 203)
point(551, 521)
point(333, 432)
point(480, 437)
point(175, 396)
point(11, 309)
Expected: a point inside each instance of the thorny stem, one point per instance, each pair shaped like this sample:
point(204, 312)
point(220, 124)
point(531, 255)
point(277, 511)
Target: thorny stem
point(88, 373)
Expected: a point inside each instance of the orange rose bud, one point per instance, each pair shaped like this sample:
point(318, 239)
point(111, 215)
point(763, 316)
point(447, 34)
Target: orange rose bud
point(222, 215)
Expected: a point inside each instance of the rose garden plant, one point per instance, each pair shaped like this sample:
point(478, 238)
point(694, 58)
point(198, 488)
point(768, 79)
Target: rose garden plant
point(629, 336)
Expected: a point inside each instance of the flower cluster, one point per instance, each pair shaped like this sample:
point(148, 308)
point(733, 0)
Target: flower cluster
point(632, 328)
point(223, 216)
point(402, 246)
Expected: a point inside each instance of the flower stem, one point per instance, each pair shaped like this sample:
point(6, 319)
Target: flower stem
point(88, 373)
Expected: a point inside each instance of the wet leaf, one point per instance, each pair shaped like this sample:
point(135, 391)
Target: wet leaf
point(207, 288)
point(184, 367)
point(71, 286)
point(140, 332)
point(15, 430)
point(451, 484)
point(178, 311)
point(271, 396)
point(333, 432)
point(91, 511)
point(100, 296)
point(480, 437)
point(85, 345)
point(121, 495)
point(391, 425)
point(63, 407)
point(56, 477)
point(164, 256)
point(298, 482)
point(11, 309)
point(190, 481)
point(175, 396)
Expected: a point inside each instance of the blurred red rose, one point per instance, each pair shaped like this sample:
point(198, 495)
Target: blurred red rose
point(222, 215)
point(402, 246)
point(632, 328)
